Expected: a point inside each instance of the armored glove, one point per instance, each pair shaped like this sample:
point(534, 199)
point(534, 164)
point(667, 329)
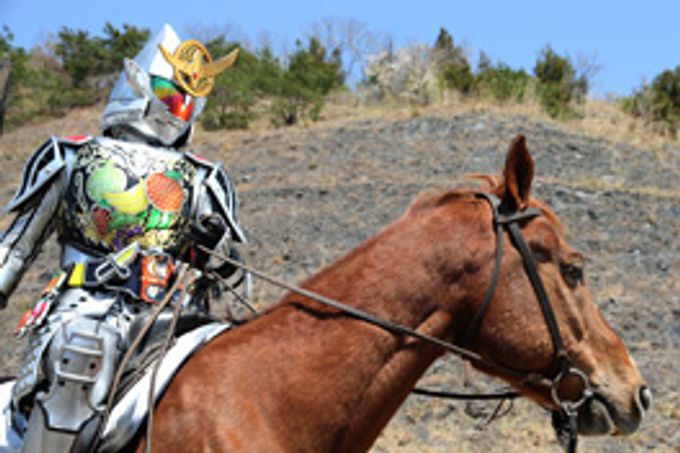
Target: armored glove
point(208, 231)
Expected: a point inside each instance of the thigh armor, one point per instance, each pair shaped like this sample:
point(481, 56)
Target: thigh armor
point(74, 356)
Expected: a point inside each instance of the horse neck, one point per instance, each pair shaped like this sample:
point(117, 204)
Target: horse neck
point(396, 278)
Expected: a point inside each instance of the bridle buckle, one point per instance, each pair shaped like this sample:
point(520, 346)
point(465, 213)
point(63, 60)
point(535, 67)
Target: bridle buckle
point(570, 406)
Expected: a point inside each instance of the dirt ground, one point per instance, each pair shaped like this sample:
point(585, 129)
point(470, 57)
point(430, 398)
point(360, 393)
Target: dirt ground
point(308, 194)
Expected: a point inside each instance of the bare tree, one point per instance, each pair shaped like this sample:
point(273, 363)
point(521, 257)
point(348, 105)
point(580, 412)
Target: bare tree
point(206, 33)
point(350, 36)
point(587, 67)
point(264, 40)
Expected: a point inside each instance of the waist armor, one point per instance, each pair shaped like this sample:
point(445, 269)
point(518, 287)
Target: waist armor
point(74, 352)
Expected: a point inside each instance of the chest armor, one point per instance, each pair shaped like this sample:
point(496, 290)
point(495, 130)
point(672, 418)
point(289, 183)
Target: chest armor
point(121, 192)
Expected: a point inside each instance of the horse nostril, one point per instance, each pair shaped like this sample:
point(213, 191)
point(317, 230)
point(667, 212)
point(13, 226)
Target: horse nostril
point(645, 398)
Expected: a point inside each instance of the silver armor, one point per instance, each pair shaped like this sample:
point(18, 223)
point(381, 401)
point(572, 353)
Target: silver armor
point(128, 209)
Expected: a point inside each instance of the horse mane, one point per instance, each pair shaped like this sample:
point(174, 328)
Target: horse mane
point(433, 198)
point(489, 183)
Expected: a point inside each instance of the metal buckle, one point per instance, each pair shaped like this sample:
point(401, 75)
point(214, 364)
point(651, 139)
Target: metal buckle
point(106, 270)
point(571, 406)
point(117, 263)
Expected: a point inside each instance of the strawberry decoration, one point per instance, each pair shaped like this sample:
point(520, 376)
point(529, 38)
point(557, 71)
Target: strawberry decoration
point(101, 218)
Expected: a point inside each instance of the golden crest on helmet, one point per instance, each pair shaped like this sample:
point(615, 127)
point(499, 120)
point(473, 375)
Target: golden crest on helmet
point(193, 67)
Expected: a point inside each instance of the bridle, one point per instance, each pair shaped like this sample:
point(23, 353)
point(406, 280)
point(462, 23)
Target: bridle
point(565, 419)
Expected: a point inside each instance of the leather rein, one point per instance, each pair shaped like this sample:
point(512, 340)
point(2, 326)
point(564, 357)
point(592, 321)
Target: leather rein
point(564, 420)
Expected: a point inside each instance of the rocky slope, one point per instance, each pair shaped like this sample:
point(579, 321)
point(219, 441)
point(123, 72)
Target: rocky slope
point(309, 194)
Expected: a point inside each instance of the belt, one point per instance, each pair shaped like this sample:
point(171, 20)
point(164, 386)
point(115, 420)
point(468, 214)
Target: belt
point(145, 278)
point(97, 272)
point(112, 270)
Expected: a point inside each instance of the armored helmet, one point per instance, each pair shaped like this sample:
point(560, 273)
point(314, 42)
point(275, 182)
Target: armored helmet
point(161, 92)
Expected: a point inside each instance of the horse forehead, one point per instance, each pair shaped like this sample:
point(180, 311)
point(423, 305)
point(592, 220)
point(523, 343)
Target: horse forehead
point(550, 220)
point(548, 233)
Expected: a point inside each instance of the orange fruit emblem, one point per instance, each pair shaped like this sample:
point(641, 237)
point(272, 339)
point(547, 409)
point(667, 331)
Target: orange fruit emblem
point(164, 192)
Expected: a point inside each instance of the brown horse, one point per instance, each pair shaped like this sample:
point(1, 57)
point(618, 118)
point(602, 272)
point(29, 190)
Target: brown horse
point(307, 378)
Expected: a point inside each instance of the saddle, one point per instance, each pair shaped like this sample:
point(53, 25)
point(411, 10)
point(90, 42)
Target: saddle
point(131, 400)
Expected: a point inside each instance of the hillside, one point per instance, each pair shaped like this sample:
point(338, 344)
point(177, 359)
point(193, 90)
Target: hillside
point(308, 194)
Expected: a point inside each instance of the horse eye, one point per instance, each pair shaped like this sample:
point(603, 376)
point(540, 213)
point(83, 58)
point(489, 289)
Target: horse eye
point(572, 274)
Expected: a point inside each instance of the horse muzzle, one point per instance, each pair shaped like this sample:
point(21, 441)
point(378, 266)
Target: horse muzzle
point(605, 414)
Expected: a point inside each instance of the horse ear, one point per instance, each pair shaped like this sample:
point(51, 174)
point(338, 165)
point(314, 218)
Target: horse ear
point(518, 174)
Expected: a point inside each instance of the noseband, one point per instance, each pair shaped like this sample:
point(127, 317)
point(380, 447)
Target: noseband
point(564, 421)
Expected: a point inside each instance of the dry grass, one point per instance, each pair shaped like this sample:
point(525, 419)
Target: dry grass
point(600, 185)
point(599, 119)
point(596, 118)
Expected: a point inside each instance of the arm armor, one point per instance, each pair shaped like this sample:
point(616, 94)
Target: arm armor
point(35, 204)
point(215, 199)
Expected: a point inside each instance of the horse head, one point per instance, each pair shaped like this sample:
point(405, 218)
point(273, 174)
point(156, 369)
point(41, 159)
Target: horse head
point(600, 379)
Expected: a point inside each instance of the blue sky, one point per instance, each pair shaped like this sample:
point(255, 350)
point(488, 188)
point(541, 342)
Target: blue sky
point(631, 41)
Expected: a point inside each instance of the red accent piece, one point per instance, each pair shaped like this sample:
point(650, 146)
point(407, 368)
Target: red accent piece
point(76, 139)
point(201, 158)
point(156, 273)
point(22, 322)
point(195, 76)
point(38, 310)
point(177, 107)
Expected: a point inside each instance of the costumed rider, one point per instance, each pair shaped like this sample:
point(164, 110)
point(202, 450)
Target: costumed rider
point(130, 209)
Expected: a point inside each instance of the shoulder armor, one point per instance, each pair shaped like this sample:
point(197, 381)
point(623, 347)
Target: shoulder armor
point(42, 167)
point(199, 161)
point(219, 185)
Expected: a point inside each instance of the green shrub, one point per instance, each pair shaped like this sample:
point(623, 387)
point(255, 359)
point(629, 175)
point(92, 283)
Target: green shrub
point(293, 93)
point(268, 73)
point(39, 86)
point(452, 65)
point(83, 56)
point(40, 91)
point(44, 86)
point(6, 38)
point(301, 91)
point(501, 82)
point(234, 94)
point(558, 84)
point(658, 102)
point(315, 68)
point(294, 102)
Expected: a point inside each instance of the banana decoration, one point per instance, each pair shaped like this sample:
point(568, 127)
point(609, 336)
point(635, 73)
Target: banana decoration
point(130, 202)
point(193, 67)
